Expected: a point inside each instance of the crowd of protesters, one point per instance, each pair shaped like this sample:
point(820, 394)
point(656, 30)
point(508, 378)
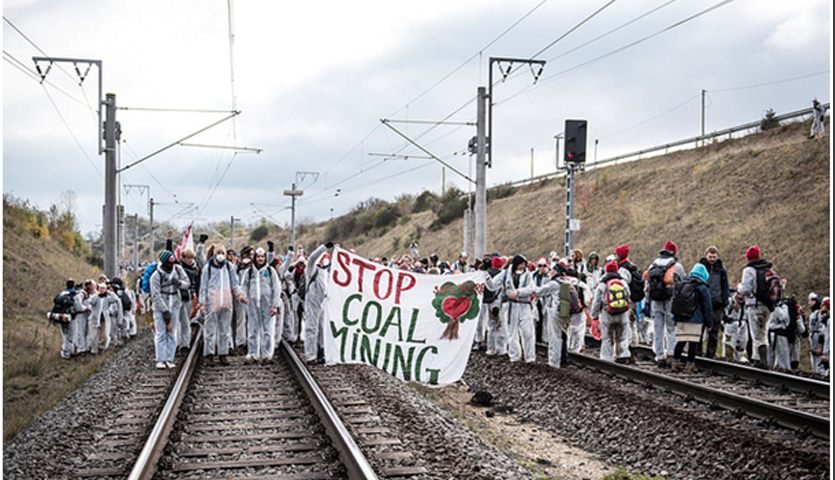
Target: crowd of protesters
point(248, 301)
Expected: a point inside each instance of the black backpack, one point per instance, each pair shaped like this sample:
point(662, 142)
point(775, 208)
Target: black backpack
point(636, 283)
point(659, 290)
point(769, 287)
point(127, 304)
point(685, 298)
point(790, 330)
point(64, 302)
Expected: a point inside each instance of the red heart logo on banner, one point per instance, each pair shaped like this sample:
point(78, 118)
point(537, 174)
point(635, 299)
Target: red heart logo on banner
point(456, 306)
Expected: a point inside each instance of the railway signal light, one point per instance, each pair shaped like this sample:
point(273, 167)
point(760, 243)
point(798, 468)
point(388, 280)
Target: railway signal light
point(575, 141)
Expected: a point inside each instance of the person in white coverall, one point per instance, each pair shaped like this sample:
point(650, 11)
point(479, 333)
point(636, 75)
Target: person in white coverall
point(262, 291)
point(549, 292)
point(218, 289)
point(614, 343)
point(659, 294)
point(290, 327)
point(166, 282)
point(519, 313)
point(496, 321)
point(316, 278)
point(83, 311)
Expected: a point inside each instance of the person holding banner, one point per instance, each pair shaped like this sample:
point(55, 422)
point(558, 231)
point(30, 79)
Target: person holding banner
point(519, 311)
point(315, 279)
point(496, 323)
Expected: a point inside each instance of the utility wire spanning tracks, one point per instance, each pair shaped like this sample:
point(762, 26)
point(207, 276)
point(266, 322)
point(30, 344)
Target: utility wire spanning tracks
point(798, 403)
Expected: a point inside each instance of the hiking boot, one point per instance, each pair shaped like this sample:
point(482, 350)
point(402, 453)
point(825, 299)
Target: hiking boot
point(691, 368)
point(267, 360)
point(675, 366)
point(223, 360)
point(662, 363)
point(250, 361)
point(622, 361)
point(632, 359)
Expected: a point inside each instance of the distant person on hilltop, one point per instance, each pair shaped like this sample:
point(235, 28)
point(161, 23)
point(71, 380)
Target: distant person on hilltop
point(818, 111)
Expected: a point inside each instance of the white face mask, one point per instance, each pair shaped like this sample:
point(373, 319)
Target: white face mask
point(219, 258)
point(520, 272)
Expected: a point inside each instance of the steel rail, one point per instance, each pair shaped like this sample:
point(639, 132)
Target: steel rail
point(356, 464)
point(786, 417)
point(146, 463)
point(794, 383)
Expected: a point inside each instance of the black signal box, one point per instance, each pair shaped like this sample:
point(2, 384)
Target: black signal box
point(575, 141)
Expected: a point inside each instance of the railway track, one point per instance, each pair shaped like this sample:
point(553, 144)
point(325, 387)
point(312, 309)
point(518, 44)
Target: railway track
point(790, 401)
point(247, 421)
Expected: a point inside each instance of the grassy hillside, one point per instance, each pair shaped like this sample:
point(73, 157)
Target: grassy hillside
point(35, 378)
point(769, 188)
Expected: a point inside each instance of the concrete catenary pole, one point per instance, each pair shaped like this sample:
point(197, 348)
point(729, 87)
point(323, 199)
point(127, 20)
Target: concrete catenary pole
point(110, 220)
point(136, 242)
point(151, 252)
point(480, 246)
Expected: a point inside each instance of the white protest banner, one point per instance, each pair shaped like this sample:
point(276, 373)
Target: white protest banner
point(416, 327)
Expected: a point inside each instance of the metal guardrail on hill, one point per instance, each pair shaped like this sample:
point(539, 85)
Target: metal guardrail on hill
point(713, 136)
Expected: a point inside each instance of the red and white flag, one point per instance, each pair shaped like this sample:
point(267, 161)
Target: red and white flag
point(185, 242)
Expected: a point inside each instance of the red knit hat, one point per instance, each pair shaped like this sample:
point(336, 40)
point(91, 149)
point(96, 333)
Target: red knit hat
point(612, 266)
point(672, 247)
point(622, 251)
point(497, 262)
point(753, 253)
point(826, 302)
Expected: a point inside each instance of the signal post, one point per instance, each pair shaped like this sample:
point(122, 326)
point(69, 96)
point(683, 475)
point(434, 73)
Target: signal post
point(574, 160)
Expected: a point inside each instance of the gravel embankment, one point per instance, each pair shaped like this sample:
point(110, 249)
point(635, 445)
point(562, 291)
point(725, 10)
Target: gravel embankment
point(646, 429)
point(56, 444)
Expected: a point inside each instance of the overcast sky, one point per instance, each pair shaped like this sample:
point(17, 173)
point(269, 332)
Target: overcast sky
point(313, 79)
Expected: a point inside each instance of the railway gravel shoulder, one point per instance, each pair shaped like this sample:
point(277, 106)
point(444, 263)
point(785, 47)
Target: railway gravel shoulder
point(57, 444)
point(645, 429)
point(438, 441)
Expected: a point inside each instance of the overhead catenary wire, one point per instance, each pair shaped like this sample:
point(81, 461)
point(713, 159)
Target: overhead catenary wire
point(606, 34)
point(594, 60)
point(31, 42)
point(442, 80)
point(66, 124)
point(12, 60)
point(473, 57)
point(765, 84)
point(572, 29)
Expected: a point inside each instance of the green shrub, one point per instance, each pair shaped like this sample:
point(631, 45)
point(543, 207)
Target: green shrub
point(425, 201)
point(500, 191)
point(769, 120)
point(451, 207)
point(385, 216)
point(259, 233)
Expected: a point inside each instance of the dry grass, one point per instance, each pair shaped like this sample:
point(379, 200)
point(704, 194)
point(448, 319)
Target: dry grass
point(35, 378)
point(770, 189)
